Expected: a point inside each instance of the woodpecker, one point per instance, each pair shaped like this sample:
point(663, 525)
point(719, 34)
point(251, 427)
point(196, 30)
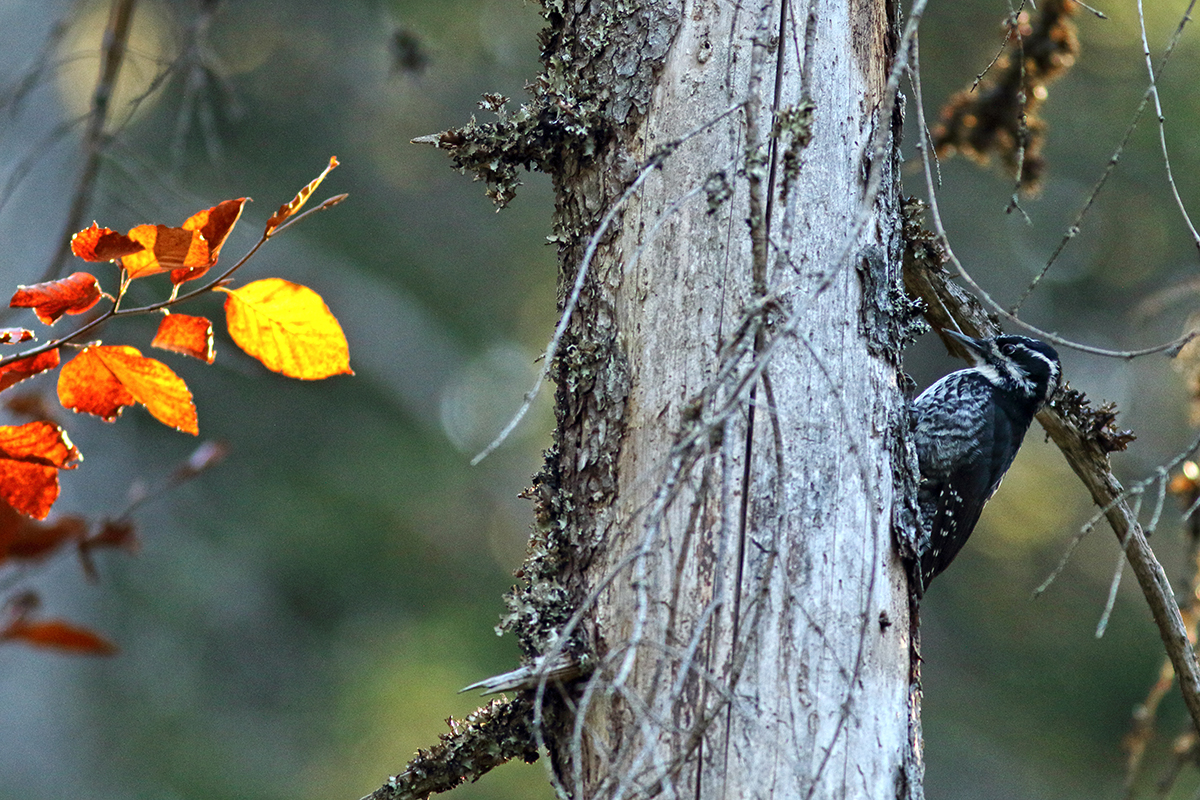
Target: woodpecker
point(969, 426)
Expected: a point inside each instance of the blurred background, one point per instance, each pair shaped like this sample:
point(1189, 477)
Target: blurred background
point(298, 619)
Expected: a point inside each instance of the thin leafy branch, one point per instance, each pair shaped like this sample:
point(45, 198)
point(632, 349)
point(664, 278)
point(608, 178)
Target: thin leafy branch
point(216, 283)
point(28, 545)
point(285, 326)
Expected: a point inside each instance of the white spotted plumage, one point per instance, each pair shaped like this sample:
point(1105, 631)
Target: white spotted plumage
point(969, 426)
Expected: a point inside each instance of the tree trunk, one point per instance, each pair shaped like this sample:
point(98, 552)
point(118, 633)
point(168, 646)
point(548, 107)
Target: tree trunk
point(730, 430)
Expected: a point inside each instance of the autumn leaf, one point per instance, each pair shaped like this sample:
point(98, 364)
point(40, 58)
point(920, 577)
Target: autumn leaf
point(165, 250)
point(101, 244)
point(30, 457)
point(26, 539)
point(186, 252)
point(288, 209)
point(15, 335)
point(288, 328)
point(24, 368)
point(55, 634)
point(191, 336)
point(214, 224)
point(103, 379)
point(71, 295)
point(118, 533)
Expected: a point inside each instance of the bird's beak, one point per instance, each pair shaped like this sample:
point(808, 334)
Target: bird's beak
point(973, 347)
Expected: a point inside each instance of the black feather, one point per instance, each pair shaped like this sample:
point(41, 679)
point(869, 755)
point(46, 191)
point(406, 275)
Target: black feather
point(969, 426)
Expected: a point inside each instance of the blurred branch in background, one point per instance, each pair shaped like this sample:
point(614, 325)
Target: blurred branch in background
point(95, 139)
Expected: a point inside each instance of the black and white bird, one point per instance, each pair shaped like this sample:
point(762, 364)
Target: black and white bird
point(969, 426)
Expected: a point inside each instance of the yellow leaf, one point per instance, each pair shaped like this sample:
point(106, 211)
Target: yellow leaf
point(288, 328)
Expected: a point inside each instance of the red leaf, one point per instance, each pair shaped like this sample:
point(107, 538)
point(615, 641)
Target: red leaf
point(101, 244)
point(30, 457)
point(15, 335)
point(288, 209)
point(214, 224)
point(191, 336)
point(50, 300)
point(24, 368)
point(56, 634)
point(26, 539)
point(103, 379)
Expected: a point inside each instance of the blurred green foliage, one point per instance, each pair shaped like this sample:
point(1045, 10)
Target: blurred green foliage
point(300, 618)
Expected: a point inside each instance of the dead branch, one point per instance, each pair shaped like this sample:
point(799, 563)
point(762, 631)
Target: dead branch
point(487, 738)
point(1075, 432)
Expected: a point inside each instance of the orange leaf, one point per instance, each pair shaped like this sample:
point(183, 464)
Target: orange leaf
point(166, 249)
point(101, 244)
point(24, 368)
point(15, 335)
point(191, 336)
point(214, 224)
point(56, 634)
point(30, 457)
point(288, 209)
point(50, 300)
point(103, 379)
point(288, 328)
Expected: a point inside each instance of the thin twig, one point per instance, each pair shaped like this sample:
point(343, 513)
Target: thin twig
point(1162, 120)
point(1073, 230)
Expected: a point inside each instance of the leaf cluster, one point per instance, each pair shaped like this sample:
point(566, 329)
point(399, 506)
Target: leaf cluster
point(285, 326)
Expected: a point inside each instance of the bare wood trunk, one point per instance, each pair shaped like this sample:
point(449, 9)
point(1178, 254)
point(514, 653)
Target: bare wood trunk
point(731, 529)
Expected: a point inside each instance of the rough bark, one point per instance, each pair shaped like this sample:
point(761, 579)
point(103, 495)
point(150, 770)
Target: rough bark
point(717, 535)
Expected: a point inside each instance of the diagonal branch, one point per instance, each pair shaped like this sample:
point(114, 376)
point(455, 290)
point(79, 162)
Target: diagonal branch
point(950, 306)
point(487, 738)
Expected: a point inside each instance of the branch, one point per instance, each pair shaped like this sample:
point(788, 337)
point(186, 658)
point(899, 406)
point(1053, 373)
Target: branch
point(487, 738)
point(1074, 431)
point(116, 311)
point(112, 56)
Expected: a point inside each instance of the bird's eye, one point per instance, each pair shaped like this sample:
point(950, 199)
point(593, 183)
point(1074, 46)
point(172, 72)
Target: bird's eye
point(1008, 349)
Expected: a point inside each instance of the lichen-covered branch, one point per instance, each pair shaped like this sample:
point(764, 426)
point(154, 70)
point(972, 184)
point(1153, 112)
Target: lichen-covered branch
point(533, 137)
point(1084, 435)
point(487, 738)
